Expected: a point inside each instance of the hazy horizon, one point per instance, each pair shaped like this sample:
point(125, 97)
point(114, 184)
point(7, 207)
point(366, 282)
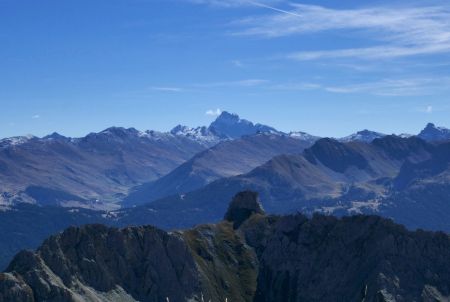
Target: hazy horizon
point(214, 114)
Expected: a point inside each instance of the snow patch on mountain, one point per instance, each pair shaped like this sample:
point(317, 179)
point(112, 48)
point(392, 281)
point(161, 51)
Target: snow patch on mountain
point(15, 141)
point(303, 136)
point(366, 136)
point(200, 134)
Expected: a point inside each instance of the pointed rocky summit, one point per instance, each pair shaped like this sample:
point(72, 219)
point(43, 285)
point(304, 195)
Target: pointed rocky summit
point(243, 205)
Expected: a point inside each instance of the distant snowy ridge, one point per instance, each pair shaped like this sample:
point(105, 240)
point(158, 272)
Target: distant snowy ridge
point(366, 136)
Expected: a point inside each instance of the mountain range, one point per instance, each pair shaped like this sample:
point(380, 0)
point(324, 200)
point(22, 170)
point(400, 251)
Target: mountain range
point(112, 168)
point(95, 171)
point(248, 256)
point(226, 159)
point(403, 178)
point(98, 171)
point(184, 177)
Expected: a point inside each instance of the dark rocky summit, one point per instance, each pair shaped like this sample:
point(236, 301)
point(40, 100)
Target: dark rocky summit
point(243, 205)
point(248, 257)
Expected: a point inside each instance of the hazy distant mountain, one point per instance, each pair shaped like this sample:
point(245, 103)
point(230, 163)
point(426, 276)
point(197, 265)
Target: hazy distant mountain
point(98, 170)
point(229, 125)
point(331, 177)
point(405, 179)
point(248, 256)
point(429, 133)
point(94, 171)
point(229, 158)
point(433, 133)
point(362, 136)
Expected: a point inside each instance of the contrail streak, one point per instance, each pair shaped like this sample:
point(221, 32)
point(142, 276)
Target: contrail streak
point(274, 8)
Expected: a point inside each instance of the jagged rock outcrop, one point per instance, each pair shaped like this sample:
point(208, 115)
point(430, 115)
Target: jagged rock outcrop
point(243, 205)
point(359, 258)
point(247, 257)
point(97, 263)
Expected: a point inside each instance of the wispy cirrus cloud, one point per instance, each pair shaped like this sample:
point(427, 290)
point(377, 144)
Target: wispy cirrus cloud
point(377, 52)
point(166, 89)
point(204, 86)
point(238, 83)
point(384, 87)
point(396, 31)
point(404, 86)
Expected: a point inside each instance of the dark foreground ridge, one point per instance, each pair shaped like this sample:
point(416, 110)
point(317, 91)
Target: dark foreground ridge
point(249, 256)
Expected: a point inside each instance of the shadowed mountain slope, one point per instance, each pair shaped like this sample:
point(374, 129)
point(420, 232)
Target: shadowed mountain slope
point(329, 177)
point(229, 158)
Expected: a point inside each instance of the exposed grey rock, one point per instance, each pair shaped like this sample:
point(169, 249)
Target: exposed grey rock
point(143, 262)
point(359, 258)
point(264, 258)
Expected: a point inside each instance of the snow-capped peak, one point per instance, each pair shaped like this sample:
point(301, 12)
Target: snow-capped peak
point(202, 134)
point(229, 125)
point(366, 136)
point(15, 141)
point(303, 136)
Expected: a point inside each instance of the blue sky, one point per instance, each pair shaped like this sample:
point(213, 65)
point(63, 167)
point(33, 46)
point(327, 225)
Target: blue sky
point(326, 67)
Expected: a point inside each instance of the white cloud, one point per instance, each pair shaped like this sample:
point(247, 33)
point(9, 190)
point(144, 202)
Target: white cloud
point(36, 116)
point(384, 87)
point(396, 31)
point(167, 89)
point(190, 87)
point(237, 63)
point(395, 87)
point(212, 112)
point(297, 86)
point(239, 83)
point(429, 109)
point(378, 52)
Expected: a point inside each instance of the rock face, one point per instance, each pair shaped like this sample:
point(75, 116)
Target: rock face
point(359, 258)
point(433, 133)
point(96, 262)
point(230, 125)
point(248, 257)
point(243, 205)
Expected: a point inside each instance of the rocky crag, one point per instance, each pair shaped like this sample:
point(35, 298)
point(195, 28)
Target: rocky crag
point(250, 256)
